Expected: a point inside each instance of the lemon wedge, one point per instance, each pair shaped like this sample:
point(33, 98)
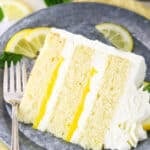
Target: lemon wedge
point(3, 146)
point(146, 86)
point(37, 37)
point(118, 35)
point(19, 45)
point(14, 9)
point(27, 42)
point(146, 124)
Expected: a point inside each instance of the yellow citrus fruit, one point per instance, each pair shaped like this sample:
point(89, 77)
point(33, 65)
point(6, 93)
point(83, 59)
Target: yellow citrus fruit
point(27, 42)
point(14, 9)
point(118, 35)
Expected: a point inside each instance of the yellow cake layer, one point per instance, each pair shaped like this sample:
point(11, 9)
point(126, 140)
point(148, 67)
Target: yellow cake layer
point(38, 89)
point(110, 90)
point(70, 95)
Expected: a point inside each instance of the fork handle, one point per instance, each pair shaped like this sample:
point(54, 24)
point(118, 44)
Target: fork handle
point(14, 136)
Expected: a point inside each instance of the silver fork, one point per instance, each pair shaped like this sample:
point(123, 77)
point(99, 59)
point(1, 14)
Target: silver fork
point(13, 86)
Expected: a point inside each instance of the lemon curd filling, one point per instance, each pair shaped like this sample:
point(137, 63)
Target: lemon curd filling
point(51, 84)
point(77, 115)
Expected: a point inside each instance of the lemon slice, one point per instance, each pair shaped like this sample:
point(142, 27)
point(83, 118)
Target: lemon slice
point(14, 9)
point(118, 35)
point(37, 37)
point(146, 124)
point(19, 45)
point(27, 42)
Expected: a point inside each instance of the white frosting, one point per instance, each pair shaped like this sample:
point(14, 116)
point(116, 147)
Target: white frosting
point(138, 61)
point(126, 126)
point(125, 129)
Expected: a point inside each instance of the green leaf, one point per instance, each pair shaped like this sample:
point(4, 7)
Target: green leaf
point(53, 2)
point(5, 56)
point(147, 87)
point(1, 14)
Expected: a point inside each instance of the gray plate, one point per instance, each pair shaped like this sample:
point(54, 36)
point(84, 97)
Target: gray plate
point(77, 18)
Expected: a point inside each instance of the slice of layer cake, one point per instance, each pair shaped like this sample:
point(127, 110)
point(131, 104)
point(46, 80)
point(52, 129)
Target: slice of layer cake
point(86, 93)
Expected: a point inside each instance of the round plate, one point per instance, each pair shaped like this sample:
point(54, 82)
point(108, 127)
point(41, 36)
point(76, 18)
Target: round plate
point(80, 18)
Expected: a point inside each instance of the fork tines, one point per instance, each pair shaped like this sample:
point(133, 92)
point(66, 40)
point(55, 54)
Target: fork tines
point(14, 78)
